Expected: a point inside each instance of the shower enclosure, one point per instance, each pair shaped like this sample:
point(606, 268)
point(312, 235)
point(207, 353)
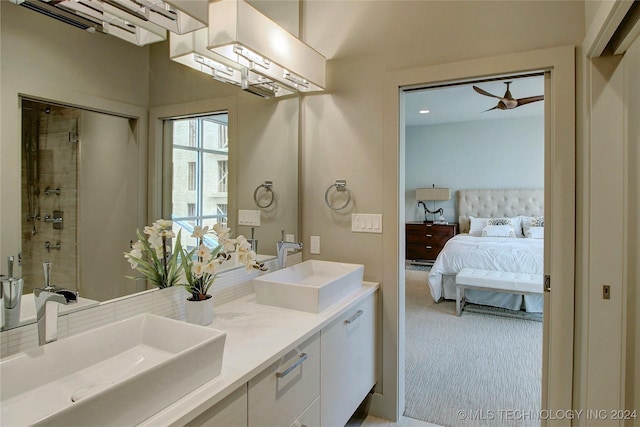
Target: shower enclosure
point(49, 189)
point(79, 199)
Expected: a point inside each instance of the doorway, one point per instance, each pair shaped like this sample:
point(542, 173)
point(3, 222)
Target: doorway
point(470, 369)
point(560, 136)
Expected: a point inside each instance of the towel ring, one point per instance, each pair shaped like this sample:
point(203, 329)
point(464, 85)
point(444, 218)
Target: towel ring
point(340, 185)
point(268, 188)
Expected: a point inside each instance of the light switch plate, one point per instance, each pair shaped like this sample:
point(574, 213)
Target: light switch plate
point(249, 217)
point(366, 223)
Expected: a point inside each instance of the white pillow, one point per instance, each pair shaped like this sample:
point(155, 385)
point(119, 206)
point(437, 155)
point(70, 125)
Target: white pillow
point(498, 231)
point(531, 221)
point(476, 225)
point(536, 232)
point(517, 225)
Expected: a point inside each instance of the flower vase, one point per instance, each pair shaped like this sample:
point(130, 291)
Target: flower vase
point(199, 312)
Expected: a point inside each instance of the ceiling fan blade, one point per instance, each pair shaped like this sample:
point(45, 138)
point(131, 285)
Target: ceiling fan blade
point(500, 106)
point(530, 99)
point(485, 93)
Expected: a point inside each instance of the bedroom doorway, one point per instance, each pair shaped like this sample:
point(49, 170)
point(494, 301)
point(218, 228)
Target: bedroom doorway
point(458, 136)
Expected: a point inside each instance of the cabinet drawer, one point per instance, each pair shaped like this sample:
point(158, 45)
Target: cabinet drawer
point(435, 241)
point(432, 229)
point(229, 412)
point(280, 393)
point(310, 417)
point(422, 252)
point(348, 362)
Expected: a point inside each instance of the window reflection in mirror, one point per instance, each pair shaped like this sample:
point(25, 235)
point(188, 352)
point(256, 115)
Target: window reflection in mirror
point(200, 147)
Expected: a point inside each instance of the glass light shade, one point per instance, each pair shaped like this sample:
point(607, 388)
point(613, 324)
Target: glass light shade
point(116, 22)
point(191, 50)
point(177, 16)
point(433, 194)
point(242, 34)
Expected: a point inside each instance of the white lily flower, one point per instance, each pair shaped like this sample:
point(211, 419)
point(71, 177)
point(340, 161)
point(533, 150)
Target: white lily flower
point(204, 252)
point(221, 231)
point(198, 269)
point(138, 246)
point(199, 232)
point(164, 224)
point(211, 267)
point(228, 245)
point(169, 234)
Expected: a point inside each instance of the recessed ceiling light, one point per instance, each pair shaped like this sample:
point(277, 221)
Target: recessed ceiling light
point(423, 111)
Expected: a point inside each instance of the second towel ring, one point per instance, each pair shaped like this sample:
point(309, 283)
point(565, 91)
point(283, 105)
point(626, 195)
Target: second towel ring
point(340, 185)
point(268, 188)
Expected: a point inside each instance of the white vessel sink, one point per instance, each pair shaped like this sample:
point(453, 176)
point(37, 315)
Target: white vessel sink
point(310, 286)
point(119, 374)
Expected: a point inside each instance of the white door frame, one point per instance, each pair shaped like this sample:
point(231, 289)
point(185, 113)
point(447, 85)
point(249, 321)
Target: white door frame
point(559, 209)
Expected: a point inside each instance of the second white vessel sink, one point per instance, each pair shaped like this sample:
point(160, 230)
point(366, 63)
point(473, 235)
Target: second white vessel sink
point(95, 377)
point(310, 286)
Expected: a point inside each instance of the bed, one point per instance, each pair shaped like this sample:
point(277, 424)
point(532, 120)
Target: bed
point(494, 250)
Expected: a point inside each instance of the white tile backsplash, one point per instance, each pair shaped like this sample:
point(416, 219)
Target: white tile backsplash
point(164, 302)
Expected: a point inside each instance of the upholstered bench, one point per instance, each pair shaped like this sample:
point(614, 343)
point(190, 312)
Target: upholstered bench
point(500, 281)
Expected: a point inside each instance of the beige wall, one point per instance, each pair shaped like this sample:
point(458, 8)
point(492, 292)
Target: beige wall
point(342, 131)
point(632, 91)
point(606, 375)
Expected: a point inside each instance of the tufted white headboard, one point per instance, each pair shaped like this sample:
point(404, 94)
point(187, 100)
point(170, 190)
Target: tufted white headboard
point(498, 203)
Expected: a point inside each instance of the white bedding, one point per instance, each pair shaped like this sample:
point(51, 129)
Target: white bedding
point(518, 255)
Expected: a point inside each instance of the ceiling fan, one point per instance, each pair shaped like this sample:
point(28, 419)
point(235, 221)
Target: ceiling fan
point(508, 102)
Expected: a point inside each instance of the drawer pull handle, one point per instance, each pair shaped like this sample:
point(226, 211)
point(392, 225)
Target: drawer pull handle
point(354, 317)
point(302, 358)
point(428, 247)
point(429, 235)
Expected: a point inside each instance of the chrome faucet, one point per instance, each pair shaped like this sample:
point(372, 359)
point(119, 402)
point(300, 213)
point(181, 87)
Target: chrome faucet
point(282, 250)
point(50, 296)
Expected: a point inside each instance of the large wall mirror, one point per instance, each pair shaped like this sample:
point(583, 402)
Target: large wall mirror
point(82, 120)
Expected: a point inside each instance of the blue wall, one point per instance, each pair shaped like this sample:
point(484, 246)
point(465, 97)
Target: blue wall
point(494, 154)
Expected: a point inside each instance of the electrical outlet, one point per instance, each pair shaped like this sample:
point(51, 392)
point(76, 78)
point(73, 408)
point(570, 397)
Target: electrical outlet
point(314, 246)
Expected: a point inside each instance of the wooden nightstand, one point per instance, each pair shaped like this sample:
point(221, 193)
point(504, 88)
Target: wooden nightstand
point(424, 241)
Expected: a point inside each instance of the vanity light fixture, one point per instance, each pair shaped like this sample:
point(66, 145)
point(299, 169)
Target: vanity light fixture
point(191, 50)
point(243, 35)
point(140, 22)
point(116, 22)
point(177, 16)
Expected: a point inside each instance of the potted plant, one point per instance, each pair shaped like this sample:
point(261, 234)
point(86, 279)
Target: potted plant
point(152, 256)
point(201, 264)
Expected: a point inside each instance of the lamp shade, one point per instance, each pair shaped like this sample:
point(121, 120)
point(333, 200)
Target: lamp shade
point(433, 194)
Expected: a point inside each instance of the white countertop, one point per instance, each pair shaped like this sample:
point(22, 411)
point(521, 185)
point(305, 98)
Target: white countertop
point(257, 336)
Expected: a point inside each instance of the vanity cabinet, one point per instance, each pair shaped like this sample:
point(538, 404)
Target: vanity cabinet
point(348, 362)
point(229, 412)
point(320, 382)
point(279, 395)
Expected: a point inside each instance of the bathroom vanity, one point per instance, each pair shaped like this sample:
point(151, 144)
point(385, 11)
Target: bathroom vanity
point(286, 368)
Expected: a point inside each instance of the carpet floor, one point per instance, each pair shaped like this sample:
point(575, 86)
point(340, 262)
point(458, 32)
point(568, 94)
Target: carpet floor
point(473, 370)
